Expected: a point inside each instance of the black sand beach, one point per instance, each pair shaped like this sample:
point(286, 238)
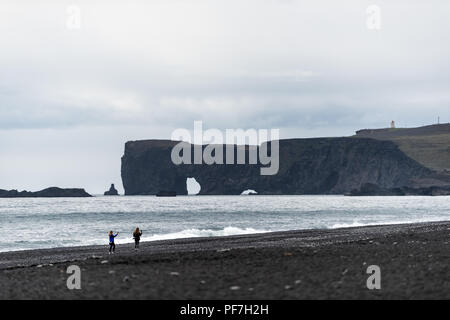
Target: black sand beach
point(313, 264)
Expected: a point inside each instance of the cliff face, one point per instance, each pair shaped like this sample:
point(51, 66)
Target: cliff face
point(307, 166)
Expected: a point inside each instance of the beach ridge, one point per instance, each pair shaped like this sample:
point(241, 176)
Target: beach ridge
point(327, 263)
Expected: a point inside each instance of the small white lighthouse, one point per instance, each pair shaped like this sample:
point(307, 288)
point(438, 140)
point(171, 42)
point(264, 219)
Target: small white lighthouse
point(392, 124)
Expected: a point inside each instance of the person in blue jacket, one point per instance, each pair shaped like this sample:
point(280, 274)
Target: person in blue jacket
point(112, 245)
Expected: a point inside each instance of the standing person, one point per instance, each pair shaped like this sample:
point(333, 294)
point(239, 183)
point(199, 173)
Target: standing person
point(112, 245)
point(137, 237)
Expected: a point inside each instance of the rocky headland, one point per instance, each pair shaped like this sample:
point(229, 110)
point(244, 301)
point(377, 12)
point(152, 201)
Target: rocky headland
point(52, 192)
point(306, 166)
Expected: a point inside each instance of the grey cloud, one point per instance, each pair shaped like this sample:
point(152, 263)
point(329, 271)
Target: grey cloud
point(141, 69)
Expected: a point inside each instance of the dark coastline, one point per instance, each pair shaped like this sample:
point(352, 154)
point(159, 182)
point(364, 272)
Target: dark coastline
point(52, 192)
point(311, 264)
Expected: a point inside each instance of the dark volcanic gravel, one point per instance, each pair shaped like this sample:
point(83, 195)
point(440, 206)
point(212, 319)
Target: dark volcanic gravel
point(314, 264)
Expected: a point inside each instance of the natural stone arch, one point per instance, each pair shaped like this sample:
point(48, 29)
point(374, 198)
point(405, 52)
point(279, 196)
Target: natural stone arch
point(192, 186)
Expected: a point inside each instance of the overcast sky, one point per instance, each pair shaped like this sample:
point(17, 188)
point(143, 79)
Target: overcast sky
point(71, 97)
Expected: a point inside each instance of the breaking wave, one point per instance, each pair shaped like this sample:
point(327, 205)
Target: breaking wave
point(197, 233)
point(380, 223)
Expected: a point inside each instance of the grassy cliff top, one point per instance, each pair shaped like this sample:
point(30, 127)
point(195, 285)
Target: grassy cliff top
point(429, 145)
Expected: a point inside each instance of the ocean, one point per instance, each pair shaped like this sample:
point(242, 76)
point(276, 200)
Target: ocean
point(61, 222)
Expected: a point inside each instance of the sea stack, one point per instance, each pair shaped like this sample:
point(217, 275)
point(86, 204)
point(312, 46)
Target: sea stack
point(112, 191)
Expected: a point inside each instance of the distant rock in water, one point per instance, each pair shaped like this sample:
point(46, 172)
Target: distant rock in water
point(166, 194)
point(370, 189)
point(52, 192)
point(112, 191)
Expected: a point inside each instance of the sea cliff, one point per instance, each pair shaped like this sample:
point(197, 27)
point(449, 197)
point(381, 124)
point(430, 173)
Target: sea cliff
point(306, 166)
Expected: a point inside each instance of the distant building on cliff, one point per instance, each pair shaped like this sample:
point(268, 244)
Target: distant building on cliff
point(392, 124)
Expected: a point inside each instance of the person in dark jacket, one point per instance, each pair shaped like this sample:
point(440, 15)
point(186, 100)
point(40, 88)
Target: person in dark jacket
point(137, 237)
point(112, 245)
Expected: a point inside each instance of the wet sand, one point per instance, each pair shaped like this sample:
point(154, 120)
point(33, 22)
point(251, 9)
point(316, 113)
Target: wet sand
point(312, 264)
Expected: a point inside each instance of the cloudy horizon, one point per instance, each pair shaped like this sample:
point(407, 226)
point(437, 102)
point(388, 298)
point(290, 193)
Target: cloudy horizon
point(72, 95)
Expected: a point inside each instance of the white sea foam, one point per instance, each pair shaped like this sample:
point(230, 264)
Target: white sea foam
point(348, 225)
point(355, 224)
point(196, 233)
